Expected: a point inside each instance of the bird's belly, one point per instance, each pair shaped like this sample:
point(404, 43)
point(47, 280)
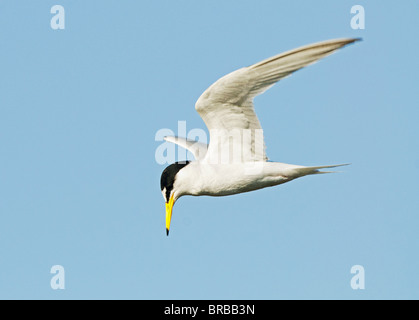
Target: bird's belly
point(225, 180)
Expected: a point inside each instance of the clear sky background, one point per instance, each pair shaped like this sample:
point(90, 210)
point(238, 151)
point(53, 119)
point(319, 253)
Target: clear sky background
point(80, 186)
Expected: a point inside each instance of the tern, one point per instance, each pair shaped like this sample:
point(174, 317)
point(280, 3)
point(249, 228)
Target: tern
point(235, 160)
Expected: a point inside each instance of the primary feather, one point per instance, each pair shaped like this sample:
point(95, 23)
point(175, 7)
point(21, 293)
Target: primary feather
point(227, 105)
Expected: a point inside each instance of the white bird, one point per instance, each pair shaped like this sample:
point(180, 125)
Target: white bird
point(235, 160)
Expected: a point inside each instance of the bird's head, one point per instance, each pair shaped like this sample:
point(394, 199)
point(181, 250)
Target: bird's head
point(171, 188)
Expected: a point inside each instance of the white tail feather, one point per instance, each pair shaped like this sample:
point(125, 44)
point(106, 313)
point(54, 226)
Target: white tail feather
point(304, 171)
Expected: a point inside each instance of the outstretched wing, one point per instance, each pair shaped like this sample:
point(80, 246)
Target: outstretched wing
point(227, 106)
point(198, 149)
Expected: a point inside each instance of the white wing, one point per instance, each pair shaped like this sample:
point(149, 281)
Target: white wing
point(198, 149)
point(227, 106)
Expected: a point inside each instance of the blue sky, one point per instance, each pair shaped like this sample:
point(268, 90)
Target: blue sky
point(79, 184)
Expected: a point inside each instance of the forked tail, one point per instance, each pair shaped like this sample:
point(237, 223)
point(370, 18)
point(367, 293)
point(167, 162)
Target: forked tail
point(304, 171)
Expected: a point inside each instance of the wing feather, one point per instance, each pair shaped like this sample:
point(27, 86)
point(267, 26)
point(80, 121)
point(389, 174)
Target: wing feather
point(198, 149)
point(228, 103)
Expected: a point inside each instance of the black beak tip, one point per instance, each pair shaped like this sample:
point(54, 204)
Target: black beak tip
point(167, 232)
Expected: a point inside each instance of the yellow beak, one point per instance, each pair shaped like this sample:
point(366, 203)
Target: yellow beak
point(169, 209)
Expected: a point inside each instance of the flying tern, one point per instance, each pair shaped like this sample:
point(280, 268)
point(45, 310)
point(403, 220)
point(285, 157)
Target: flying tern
point(235, 160)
